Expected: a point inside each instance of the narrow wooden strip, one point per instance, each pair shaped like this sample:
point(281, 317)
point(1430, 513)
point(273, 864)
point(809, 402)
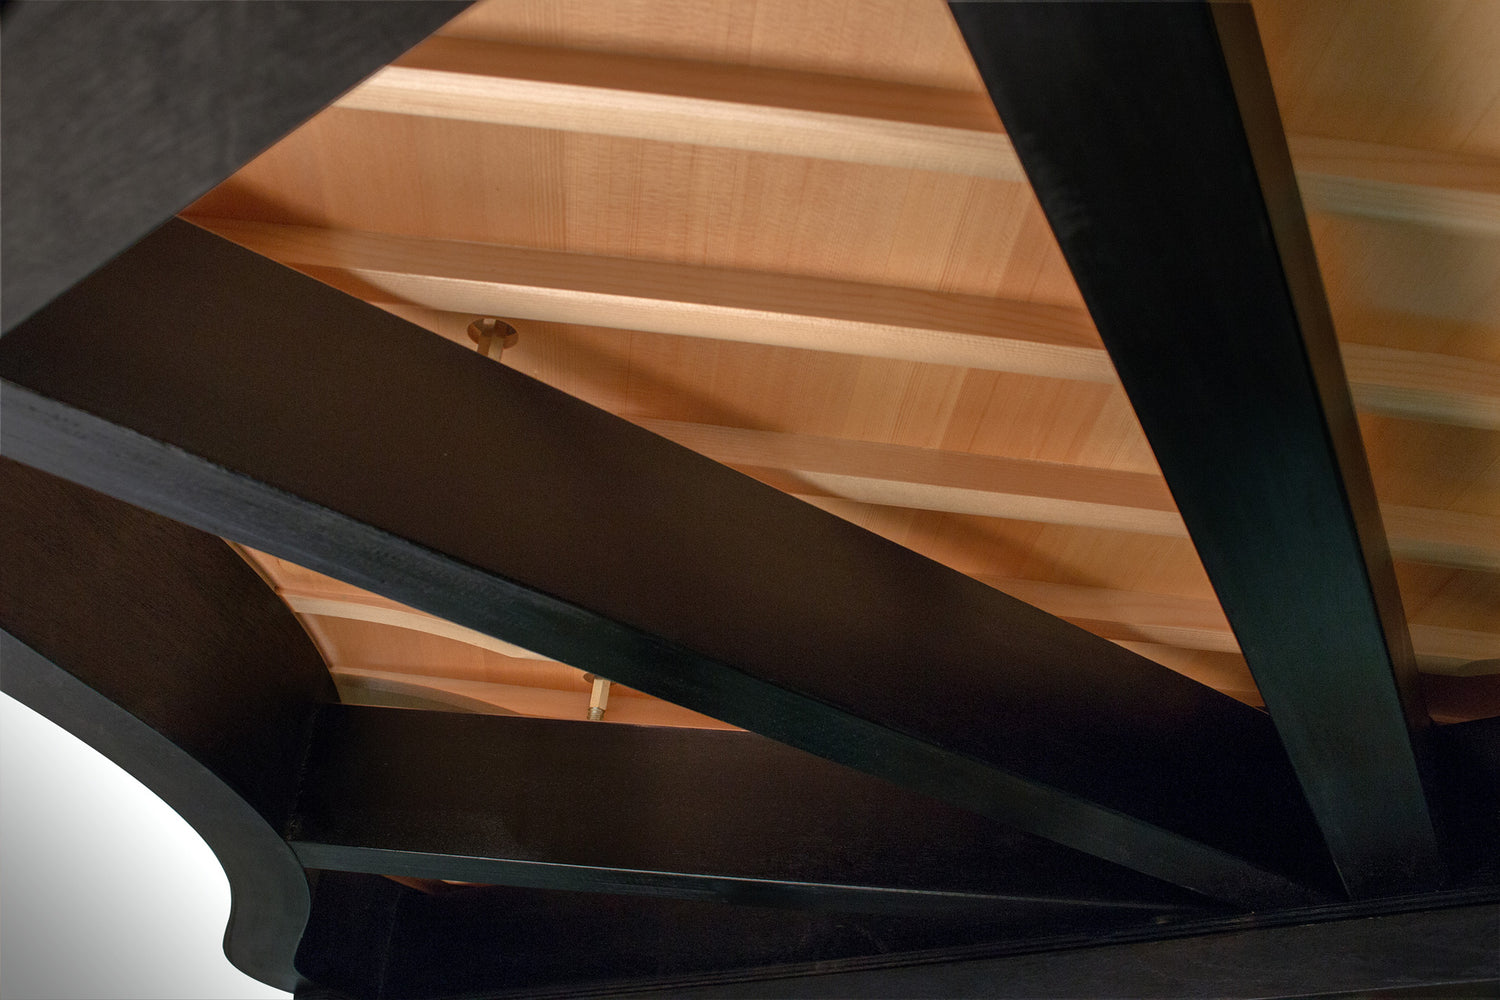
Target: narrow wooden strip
point(1456, 191)
point(930, 479)
point(632, 97)
point(1456, 652)
point(1191, 623)
point(1118, 615)
point(355, 684)
point(381, 614)
point(858, 121)
point(781, 310)
point(1350, 158)
point(930, 466)
point(1050, 492)
point(1464, 211)
point(789, 311)
point(1419, 385)
point(1443, 537)
point(990, 503)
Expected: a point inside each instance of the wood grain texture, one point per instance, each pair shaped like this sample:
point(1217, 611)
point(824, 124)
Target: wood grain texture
point(702, 104)
point(1162, 620)
point(788, 311)
point(1192, 623)
point(381, 612)
point(858, 121)
point(1414, 298)
point(960, 483)
point(777, 310)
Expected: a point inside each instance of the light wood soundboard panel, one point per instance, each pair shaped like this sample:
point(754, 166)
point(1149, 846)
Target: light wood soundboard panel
point(792, 236)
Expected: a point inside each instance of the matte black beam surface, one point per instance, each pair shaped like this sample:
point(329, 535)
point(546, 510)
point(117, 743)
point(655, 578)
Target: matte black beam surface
point(224, 396)
point(1150, 134)
point(118, 114)
point(688, 813)
point(370, 937)
point(1375, 953)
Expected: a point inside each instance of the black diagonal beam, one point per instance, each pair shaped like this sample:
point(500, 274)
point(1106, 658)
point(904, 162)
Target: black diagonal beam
point(118, 114)
point(1151, 136)
point(167, 652)
point(683, 813)
point(223, 392)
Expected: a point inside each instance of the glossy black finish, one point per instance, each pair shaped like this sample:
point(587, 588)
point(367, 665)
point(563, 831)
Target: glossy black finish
point(162, 649)
point(685, 813)
point(225, 397)
point(118, 114)
point(1151, 136)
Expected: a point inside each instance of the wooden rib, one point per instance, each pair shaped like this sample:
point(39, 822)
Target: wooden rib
point(1165, 619)
point(857, 121)
point(1134, 618)
point(1049, 492)
point(1347, 158)
point(788, 311)
point(1456, 652)
point(1448, 190)
point(1467, 211)
point(929, 479)
point(369, 608)
point(1120, 615)
point(800, 114)
point(1191, 623)
point(1443, 537)
point(781, 310)
point(1436, 387)
point(488, 697)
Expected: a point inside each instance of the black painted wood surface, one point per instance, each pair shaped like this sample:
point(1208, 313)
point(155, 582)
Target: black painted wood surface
point(1151, 136)
point(685, 813)
point(225, 396)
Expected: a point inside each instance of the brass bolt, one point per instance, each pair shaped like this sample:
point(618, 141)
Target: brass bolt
point(492, 336)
